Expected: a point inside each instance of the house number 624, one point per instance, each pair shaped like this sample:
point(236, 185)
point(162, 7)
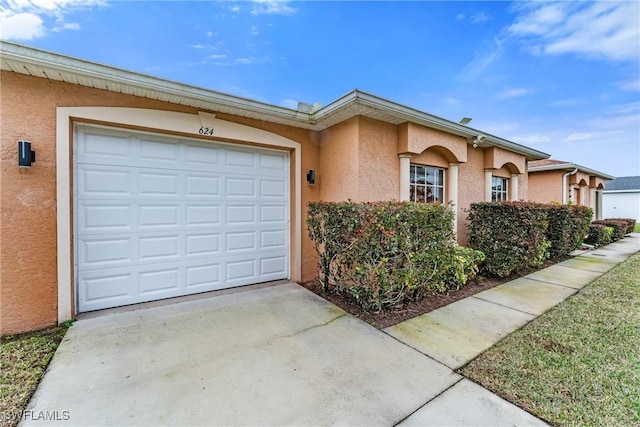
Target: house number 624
point(205, 131)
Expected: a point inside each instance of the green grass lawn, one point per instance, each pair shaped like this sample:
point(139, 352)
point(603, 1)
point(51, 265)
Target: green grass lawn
point(579, 363)
point(23, 359)
point(637, 228)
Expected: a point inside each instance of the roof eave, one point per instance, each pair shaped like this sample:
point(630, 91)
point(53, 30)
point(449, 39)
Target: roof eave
point(571, 166)
point(123, 81)
point(412, 115)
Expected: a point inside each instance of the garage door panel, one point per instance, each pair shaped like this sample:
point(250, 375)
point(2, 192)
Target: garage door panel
point(273, 188)
point(163, 218)
point(240, 241)
point(273, 213)
point(157, 281)
point(202, 158)
point(104, 252)
point(205, 244)
point(270, 239)
point(202, 185)
point(205, 277)
point(158, 216)
point(158, 184)
point(202, 215)
point(104, 149)
point(98, 181)
point(158, 248)
point(159, 154)
point(274, 266)
point(241, 271)
point(240, 187)
point(241, 214)
point(273, 162)
point(239, 160)
point(100, 217)
point(100, 289)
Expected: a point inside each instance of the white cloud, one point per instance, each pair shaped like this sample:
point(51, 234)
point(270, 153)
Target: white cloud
point(565, 103)
point(596, 30)
point(31, 19)
point(578, 136)
point(271, 7)
point(482, 60)
point(513, 93)
point(479, 17)
point(290, 103)
point(62, 26)
point(631, 85)
point(449, 100)
point(460, 17)
point(21, 26)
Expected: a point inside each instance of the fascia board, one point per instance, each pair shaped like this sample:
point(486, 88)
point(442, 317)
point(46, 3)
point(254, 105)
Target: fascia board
point(419, 117)
point(571, 166)
point(70, 65)
point(157, 86)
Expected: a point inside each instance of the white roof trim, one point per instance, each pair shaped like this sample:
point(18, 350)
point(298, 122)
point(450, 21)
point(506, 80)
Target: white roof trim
point(30, 61)
point(563, 166)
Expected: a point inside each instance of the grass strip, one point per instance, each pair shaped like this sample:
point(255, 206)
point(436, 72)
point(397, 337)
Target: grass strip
point(23, 361)
point(579, 363)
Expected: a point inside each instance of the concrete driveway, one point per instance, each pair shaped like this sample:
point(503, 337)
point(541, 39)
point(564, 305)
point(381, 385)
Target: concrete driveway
point(278, 355)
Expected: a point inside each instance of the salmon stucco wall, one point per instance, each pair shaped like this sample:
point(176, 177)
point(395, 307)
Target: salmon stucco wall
point(379, 166)
point(470, 188)
point(28, 227)
point(545, 186)
point(338, 178)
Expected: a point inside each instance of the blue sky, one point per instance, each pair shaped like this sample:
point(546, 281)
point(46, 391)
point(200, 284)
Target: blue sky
point(561, 77)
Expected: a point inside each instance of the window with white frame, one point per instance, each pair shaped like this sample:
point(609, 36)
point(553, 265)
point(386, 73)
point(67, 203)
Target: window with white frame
point(499, 189)
point(426, 184)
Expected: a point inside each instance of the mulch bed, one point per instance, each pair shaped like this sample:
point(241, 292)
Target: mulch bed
point(392, 316)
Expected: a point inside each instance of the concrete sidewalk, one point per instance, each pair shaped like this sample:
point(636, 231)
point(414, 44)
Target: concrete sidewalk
point(281, 355)
point(456, 334)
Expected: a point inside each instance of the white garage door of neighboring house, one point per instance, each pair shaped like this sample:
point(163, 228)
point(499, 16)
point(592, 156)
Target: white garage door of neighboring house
point(159, 217)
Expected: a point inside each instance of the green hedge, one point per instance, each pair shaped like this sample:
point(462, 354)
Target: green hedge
point(599, 235)
point(387, 253)
point(512, 235)
point(631, 224)
point(567, 228)
point(619, 226)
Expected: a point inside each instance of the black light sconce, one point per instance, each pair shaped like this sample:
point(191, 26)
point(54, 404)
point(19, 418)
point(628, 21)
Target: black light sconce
point(25, 155)
point(311, 176)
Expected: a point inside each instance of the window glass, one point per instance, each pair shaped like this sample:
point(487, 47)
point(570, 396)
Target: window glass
point(499, 190)
point(426, 184)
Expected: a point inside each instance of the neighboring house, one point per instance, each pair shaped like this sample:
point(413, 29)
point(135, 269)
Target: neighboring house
point(565, 182)
point(621, 198)
point(144, 188)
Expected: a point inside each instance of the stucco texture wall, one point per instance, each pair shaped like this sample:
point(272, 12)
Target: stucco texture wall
point(470, 188)
point(545, 186)
point(28, 245)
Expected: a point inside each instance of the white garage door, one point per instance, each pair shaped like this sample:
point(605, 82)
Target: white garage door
point(158, 217)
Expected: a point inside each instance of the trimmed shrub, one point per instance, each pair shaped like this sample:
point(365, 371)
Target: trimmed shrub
point(631, 224)
point(512, 235)
point(387, 253)
point(619, 226)
point(599, 235)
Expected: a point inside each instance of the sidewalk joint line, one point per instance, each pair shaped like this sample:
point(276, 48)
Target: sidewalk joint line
point(431, 400)
point(510, 308)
